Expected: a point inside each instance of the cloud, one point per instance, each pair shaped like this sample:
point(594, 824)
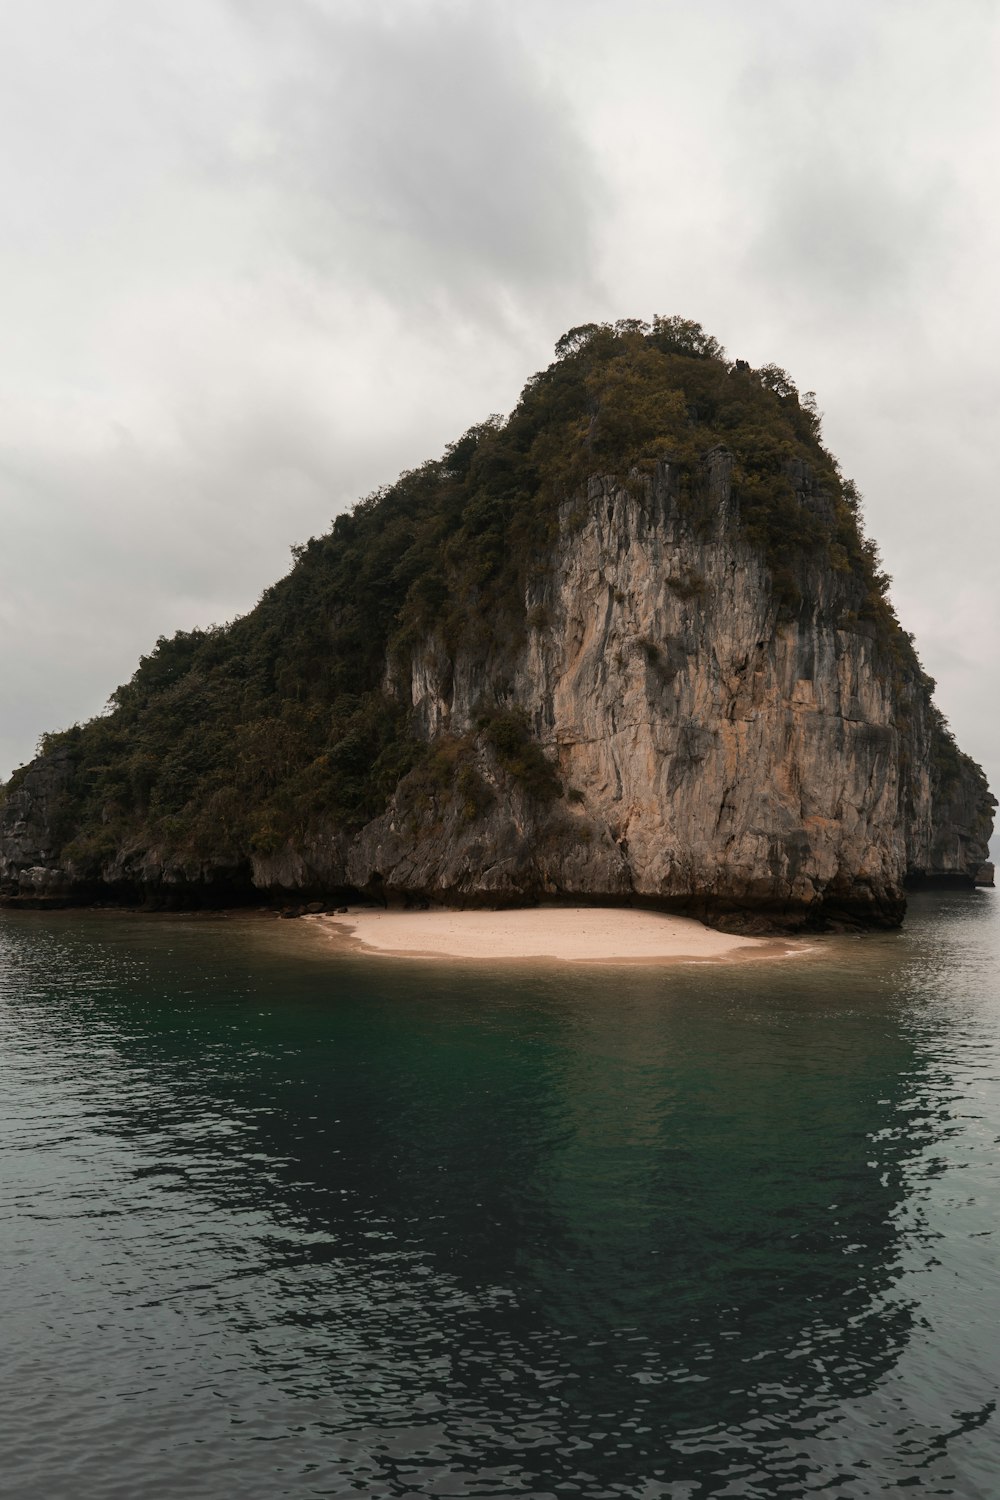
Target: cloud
point(852, 205)
point(841, 230)
point(423, 151)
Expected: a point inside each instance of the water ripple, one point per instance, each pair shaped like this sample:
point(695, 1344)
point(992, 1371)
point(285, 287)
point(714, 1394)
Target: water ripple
point(280, 1224)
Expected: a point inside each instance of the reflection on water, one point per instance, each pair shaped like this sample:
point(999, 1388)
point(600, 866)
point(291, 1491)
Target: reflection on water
point(279, 1222)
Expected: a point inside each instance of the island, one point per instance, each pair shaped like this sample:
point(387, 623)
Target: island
point(629, 645)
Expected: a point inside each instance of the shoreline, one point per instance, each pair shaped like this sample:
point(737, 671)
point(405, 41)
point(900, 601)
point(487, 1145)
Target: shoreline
point(561, 934)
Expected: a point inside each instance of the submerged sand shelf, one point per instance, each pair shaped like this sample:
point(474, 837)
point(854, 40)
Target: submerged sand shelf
point(572, 934)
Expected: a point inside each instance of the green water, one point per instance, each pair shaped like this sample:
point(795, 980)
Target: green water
point(282, 1222)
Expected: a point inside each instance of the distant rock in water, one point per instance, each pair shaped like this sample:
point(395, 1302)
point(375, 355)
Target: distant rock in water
point(630, 644)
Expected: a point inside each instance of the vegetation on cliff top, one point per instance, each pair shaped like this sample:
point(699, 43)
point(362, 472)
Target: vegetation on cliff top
point(226, 742)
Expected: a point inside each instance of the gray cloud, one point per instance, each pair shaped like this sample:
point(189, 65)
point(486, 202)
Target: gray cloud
point(853, 203)
point(416, 154)
point(841, 230)
point(429, 153)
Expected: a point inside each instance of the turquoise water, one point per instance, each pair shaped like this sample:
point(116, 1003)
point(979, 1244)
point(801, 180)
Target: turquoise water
point(281, 1222)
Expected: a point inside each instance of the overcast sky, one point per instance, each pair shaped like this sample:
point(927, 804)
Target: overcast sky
point(259, 255)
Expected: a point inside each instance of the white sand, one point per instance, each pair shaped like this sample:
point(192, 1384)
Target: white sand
point(580, 934)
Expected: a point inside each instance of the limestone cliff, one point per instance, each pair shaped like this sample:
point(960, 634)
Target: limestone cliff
point(716, 757)
point(656, 721)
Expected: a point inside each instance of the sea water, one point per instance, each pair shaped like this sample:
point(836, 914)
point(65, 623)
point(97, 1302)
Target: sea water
point(282, 1221)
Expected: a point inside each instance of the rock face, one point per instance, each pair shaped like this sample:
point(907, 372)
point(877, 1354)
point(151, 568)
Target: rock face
point(716, 759)
point(714, 754)
point(32, 831)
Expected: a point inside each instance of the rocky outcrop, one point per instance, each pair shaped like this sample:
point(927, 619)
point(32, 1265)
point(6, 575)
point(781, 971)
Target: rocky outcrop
point(716, 753)
point(33, 825)
point(716, 758)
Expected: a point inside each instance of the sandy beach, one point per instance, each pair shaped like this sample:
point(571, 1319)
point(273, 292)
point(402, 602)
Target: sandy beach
point(570, 934)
